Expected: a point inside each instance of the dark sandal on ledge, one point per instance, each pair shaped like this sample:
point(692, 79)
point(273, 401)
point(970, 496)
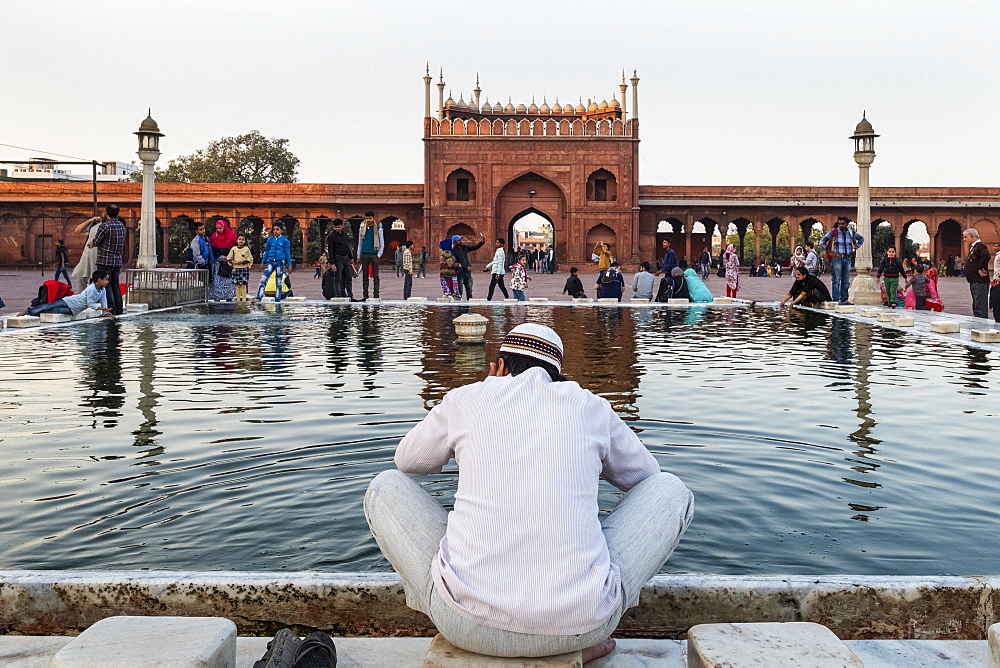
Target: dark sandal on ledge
point(316, 651)
point(280, 651)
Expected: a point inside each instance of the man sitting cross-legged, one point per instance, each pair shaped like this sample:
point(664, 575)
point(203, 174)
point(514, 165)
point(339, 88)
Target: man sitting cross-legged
point(523, 566)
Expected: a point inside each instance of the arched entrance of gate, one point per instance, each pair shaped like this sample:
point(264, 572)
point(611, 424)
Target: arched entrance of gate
point(532, 194)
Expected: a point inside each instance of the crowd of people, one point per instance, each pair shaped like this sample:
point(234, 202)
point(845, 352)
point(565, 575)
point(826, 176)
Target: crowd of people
point(228, 259)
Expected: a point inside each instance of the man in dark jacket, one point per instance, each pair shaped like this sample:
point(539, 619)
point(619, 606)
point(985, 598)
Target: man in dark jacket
point(460, 249)
point(340, 254)
point(977, 273)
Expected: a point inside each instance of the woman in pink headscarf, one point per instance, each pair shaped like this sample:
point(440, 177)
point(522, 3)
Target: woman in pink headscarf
point(732, 263)
point(222, 287)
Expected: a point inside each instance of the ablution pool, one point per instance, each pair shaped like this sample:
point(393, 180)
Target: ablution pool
point(231, 437)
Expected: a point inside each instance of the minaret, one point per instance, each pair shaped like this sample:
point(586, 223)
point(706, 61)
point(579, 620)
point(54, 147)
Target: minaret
point(623, 86)
point(476, 91)
point(635, 95)
point(427, 91)
point(440, 86)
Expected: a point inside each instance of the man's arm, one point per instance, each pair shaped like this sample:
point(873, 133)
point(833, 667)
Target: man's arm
point(477, 246)
point(628, 462)
point(102, 232)
point(426, 448)
point(196, 252)
point(825, 240)
point(287, 248)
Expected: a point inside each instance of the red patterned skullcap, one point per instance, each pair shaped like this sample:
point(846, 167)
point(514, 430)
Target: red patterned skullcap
point(536, 341)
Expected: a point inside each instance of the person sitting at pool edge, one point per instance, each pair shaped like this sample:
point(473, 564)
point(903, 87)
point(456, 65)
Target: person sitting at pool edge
point(807, 290)
point(523, 566)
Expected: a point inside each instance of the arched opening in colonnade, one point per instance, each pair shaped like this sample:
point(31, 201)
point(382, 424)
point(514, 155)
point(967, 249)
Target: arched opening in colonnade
point(252, 227)
point(294, 234)
point(915, 240)
point(529, 230)
point(179, 236)
point(316, 233)
point(882, 238)
point(948, 241)
point(602, 234)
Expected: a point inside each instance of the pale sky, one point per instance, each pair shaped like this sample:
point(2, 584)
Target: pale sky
point(731, 93)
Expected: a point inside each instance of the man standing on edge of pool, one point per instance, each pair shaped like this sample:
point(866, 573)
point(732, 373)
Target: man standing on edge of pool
point(523, 566)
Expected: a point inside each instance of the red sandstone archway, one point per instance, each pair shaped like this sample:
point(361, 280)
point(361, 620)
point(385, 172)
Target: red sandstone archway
point(531, 193)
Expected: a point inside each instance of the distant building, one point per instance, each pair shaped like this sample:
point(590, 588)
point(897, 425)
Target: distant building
point(46, 169)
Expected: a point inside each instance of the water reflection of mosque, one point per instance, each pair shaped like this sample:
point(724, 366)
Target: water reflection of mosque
point(600, 353)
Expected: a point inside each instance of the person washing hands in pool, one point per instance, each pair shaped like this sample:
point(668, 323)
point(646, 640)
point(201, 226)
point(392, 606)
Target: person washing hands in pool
point(524, 566)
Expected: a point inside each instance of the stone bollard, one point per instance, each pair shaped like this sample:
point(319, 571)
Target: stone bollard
point(870, 312)
point(828, 306)
point(470, 328)
point(511, 301)
point(479, 300)
point(885, 316)
point(340, 300)
point(767, 644)
point(637, 300)
point(538, 300)
point(722, 300)
point(16, 321)
point(902, 321)
point(678, 301)
point(608, 300)
point(581, 300)
point(844, 308)
point(986, 335)
point(55, 317)
point(945, 327)
point(416, 300)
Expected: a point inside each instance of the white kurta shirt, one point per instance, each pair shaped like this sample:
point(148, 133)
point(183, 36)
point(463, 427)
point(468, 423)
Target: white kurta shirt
point(524, 550)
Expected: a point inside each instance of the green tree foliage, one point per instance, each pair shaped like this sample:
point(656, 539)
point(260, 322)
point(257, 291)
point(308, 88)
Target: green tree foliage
point(247, 158)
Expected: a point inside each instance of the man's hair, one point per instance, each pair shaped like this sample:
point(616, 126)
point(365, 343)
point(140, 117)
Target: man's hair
point(369, 214)
point(518, 364)
point(890, 248)
point(972, 232)
point(241, 236)
point(197, 225)
point(615, 264)
point(573, 270)
point(810, 245)
point(666, 241)
point(500, 241)
point(337, 222)
point(98, 275)
point(278, 225)
point(59, 241)
point(843, 218)
point(920, 267)
point(112, 210)
point(645, 265)
point(407, 243)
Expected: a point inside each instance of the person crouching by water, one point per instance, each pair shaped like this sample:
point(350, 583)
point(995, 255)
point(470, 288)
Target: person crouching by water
point(807, 290)
point(574, 286)
point(523, 566)
point(610, 283)
point(673, 286)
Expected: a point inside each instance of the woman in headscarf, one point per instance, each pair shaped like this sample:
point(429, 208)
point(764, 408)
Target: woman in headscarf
point(673, 286)
point(88, 259)
point(732, 264)
point(699, 293)
point(799, 258)
point(222, 240)
point(933, 301)
point(449, 269)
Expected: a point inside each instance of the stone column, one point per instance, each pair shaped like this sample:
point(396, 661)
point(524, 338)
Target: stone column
point(864, 290)
point(147, 219)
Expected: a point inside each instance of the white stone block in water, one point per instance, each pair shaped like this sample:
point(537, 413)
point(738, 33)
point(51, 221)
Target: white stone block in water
point(607, 300)
point(885, 316)
point(994, 640)
point(637, 300)
point(294, 299)
point(134, 308)
point(828, 306)
point(980, 335)
point(412, 299)
point(945, 326)
point(373, 300)
point(511, 301)
point(340, 300)
point(55, 317)
point(479, 300)
point(678, 301)
point(538, 300)
point(581, 300)
point(445, 300)
point(722, 300)
point(902, 321)
point(165, 642)
point(23, 321)
point(87, 313)
point(844, 308)
point(267, 300)
point(870, 312)
point(442, 654)
point(767, 644)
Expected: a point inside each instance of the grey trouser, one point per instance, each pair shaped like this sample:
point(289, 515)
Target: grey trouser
point(980, 299)
point(408, 525)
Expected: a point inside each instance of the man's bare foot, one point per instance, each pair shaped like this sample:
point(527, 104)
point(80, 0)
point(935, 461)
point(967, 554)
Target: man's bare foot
point(598, 650)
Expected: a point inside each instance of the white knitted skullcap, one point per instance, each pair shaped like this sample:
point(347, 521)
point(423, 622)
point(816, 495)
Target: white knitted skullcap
point(536, 341)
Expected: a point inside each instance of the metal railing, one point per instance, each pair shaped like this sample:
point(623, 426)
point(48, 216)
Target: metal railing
point(162, 288)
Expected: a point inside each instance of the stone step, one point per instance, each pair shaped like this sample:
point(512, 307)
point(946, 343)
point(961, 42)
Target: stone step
point(87, 314)
point(870, 312)
point(993, 636)
point(678, 301)
point(636, 300)
point(767, 644)
point(136, 308)
point(902, 321)
point(37, 652)
point(342, 300)
point(17, 321)
point(945, 326)
point(828, 306)
point(166, 642)
point(417, 299)
point(607, 300)
point(510, 301)
point(538, 300)
point(981, 335)
point(844, 308)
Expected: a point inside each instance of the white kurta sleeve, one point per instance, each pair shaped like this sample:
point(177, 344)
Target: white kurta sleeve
point(628, 462)
point(427, 447)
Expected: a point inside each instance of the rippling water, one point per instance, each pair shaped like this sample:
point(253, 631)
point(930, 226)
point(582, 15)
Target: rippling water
point(227, 437)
